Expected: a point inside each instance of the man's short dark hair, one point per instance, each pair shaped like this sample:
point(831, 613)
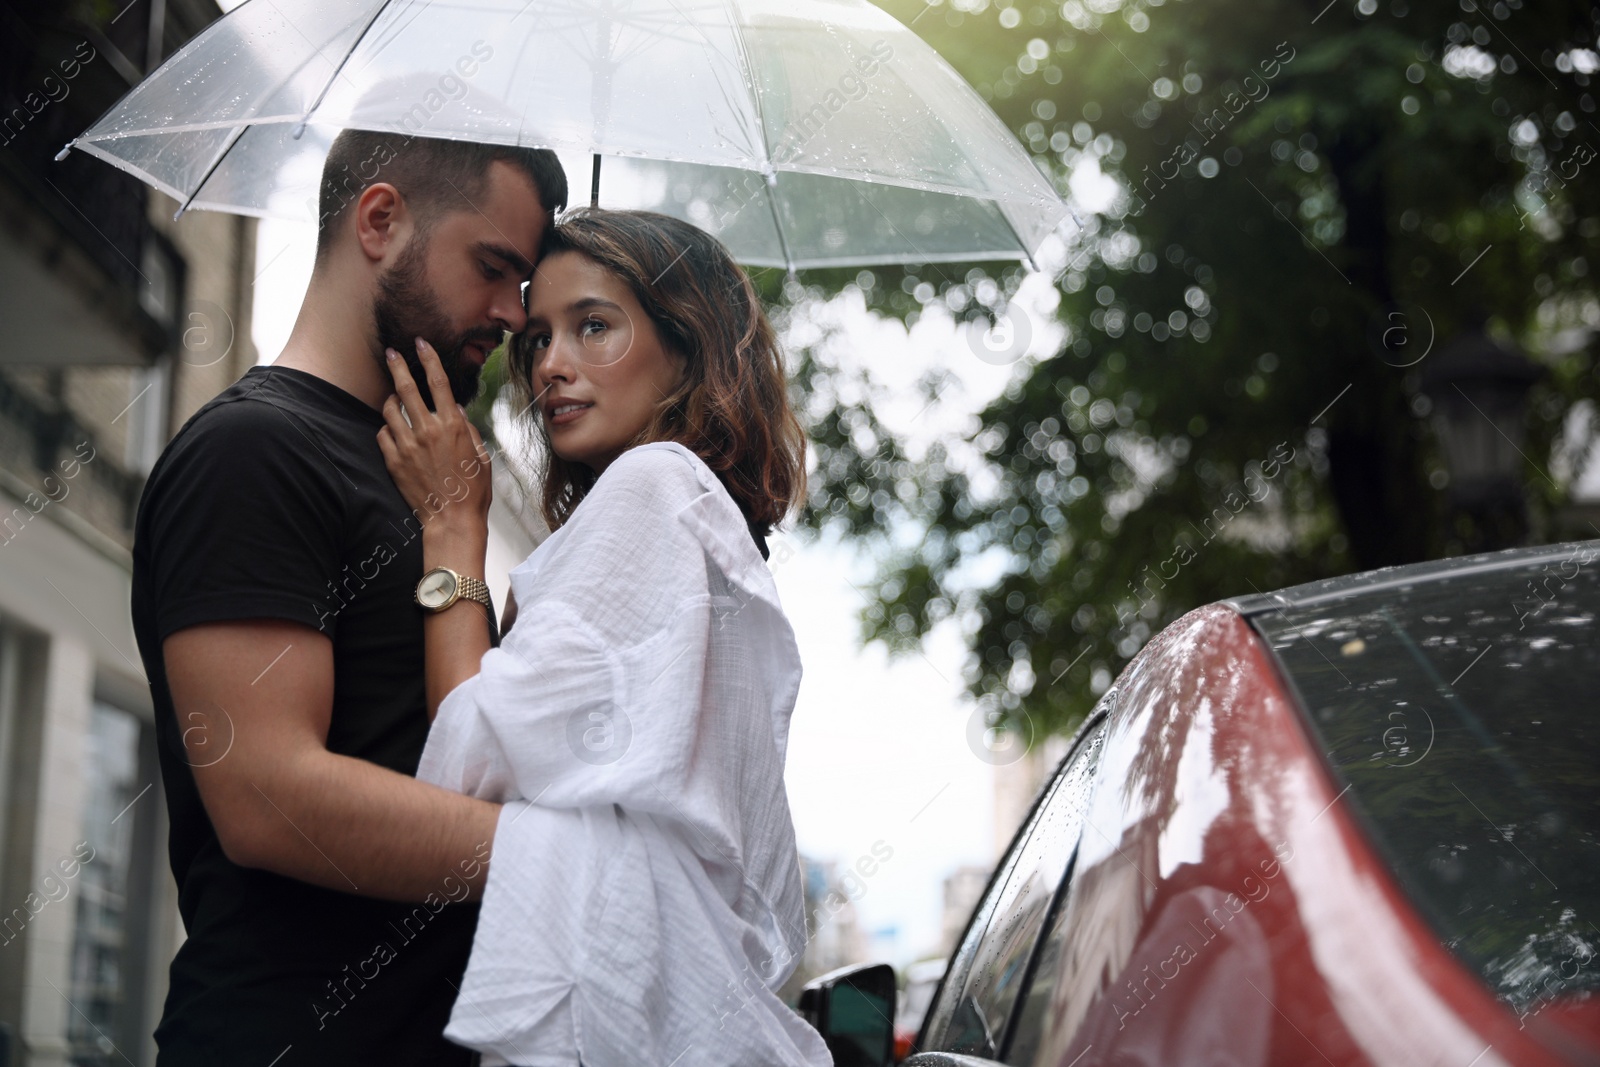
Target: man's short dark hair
point(433, 175)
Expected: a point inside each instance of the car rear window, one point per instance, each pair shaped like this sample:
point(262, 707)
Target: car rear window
point(1463, 710)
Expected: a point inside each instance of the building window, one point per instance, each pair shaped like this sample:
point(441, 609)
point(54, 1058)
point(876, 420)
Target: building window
point(147, 414)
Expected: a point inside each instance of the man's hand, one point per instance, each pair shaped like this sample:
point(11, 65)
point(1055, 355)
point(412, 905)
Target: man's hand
point(254, 700)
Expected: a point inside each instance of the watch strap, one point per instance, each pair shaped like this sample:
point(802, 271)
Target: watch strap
point(474, 589)
point(471, 588)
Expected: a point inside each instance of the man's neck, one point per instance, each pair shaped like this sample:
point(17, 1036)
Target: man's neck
point(338, 346)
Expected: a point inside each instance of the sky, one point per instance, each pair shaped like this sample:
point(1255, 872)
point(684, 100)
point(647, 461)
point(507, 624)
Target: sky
point(878, 749)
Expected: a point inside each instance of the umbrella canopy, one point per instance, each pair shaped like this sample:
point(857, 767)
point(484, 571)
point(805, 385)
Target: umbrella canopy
point(803, 133)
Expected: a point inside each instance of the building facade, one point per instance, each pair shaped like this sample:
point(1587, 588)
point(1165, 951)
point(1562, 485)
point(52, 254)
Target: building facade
point(115, 325)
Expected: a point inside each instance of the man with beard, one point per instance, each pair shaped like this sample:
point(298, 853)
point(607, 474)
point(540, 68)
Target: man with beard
point(326, 893)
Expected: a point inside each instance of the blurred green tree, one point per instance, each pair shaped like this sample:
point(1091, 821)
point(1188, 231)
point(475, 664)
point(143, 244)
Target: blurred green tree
point(1307, 199)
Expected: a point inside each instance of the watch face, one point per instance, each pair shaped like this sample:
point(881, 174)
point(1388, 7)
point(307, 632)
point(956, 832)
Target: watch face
point(436, 588)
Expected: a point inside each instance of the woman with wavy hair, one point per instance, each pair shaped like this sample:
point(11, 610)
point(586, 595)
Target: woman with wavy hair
point(644, 899)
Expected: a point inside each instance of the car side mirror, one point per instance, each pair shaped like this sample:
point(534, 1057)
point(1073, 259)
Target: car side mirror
point(853, 1009)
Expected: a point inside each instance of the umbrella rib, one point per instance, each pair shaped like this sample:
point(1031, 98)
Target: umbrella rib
point(769, 173)
point(777, 224)
point(541, 16)
point(516, 70)
point(1027, 253)
point(391, 33)
point(240, 132)
point(306, 118)
point(215, 163)
point(748, 71)
point(744, 71)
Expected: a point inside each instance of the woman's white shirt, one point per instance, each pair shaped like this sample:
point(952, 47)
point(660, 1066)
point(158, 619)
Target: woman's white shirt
point(644, 899)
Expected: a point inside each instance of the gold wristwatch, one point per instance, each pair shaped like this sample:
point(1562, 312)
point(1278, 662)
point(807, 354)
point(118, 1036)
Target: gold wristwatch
point(442, 587)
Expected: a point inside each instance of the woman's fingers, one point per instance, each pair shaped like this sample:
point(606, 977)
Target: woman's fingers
point(432, 455)
point(444, 399)
point(410, 394)
point(395, 419)
point(405, 387)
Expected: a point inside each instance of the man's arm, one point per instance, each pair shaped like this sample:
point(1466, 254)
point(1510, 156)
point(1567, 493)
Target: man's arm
point(253, 700)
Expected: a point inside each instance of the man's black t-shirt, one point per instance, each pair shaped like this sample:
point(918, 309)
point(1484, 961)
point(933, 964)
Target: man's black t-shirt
point(273, 502)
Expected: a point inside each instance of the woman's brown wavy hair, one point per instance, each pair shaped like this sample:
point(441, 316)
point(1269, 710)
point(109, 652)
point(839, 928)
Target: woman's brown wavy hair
point(732, 407)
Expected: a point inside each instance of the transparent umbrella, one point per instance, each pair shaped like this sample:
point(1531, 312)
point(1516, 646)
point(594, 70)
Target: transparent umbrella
point(803, 133)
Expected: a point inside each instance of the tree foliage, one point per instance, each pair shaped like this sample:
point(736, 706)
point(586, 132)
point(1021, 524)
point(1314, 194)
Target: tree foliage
point(1295, 183)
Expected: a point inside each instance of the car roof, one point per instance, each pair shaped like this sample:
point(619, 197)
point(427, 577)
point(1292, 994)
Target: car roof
point(1332, 589)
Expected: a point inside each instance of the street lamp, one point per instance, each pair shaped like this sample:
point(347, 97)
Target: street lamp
point(1478, 388)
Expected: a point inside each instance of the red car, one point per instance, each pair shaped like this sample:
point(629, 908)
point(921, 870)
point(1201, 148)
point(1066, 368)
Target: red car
point(1354, 822)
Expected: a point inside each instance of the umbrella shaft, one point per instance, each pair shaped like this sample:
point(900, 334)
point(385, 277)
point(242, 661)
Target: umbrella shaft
point(594, 183)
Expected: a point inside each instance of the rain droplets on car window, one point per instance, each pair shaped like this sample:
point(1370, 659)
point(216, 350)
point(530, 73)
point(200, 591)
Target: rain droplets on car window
point(1462, 713)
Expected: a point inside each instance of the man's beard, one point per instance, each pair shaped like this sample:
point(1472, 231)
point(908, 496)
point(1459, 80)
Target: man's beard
point(407, 308)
